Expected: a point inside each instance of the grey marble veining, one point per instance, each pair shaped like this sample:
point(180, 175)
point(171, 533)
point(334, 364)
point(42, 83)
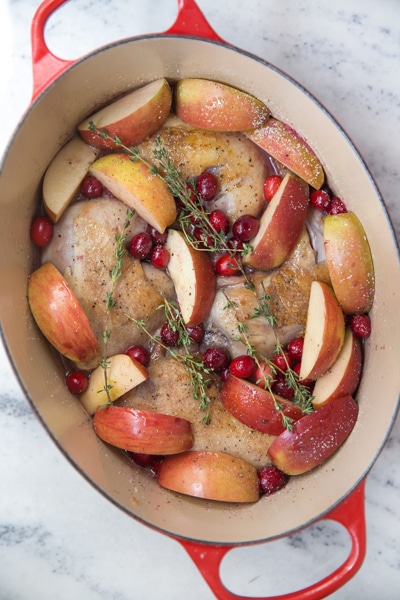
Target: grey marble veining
point(59, 539)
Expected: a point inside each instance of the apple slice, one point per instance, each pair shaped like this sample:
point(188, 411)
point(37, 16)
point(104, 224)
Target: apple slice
point(132, 118)
point(194, 278)
point(210, 475)
point(285, 145)
point(280, 225)
point(212, 105)
point(256, 407)
point(60, 316)
point(133, 183)
point(123, 374)
point(64, 175)
point(314, 437)
point(343, 377)
point(324, 333)
point(349, 261)
point(143, 431)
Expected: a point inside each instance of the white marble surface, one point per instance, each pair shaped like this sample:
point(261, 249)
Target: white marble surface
point(59, 539)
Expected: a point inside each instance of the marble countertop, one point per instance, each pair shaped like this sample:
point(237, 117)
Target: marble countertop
point(59, 539)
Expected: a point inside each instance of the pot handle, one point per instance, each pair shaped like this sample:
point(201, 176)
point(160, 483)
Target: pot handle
point(350, 513)
point(47, 67)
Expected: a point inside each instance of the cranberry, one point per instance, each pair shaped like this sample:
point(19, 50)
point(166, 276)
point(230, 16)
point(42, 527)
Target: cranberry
point(158, 238)
point(283, 361)
point(245, 228)
point(206, 239)
point(337, 207)
point(219, 221)
point(271, 479)
point(216, 358)
point(243, 366)
point(169, 336)
point(295, 348)
point(207, 186)
point(224, 374)
point(91, 187)
point(195, 332)
point(143, 460)
point(139, 353)
point(77, 382)
point(306, 382)
point(271, 185)
point(141, 245)
point(41, 231)
point(159, 257)
point(320, 200)
point(264, 374)
point(234, 244)
point(282, 389)
point(227, 265)
point(361, 325)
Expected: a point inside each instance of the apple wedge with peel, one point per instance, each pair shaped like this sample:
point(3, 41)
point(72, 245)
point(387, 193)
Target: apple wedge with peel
point(193, 276)
point(216, 106)
point(350, 263)
point(142, 431)
point(132, 118)
point(280, 225)
point(60, 316)
point(133, 183)
point(344, 376)
point(314, 437)
point(324, 333)
point(123, 374)
point(64, 175)
point(284, 144)
point(210, 475)
point(256, 407)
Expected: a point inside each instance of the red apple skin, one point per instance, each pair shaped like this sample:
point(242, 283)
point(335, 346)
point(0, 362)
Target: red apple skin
point(280, 226)
point(284, 144)
point(142, 431)
point(216, 106)
point(60, 316)
point(188, 265)
point(253, 406)
point(146, 110)
point(314, 437)
point(343, 377)
point(210, 475)
point(350, 263)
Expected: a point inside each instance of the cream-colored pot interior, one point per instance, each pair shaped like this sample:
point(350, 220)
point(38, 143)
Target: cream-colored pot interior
point(49, 122)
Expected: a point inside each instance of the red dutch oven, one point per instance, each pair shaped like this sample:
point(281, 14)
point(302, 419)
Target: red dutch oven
point(206, 530)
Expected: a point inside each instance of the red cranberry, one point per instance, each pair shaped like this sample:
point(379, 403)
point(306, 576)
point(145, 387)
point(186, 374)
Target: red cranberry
point(245, 228)
point(271, 185)
point(283, 361)
point(264, 374)
point(282, 389)
point(207, 186)
point(77, 382)
point(360, 325)
point(195, 332)
point(219, 221)
point(227, 265)
point(216, 358)
point(306, 382)
point(159, 257)
point(91, 187)
point(337, 207)
point(234, 244)
point(295, 348)
point(143, 460)
point(271, 479)
point(158, 238)
point(206, 239)
point(169, 336)
point(140, 245)
point(224, 374)
point(139, 353)
point(41, 231)
point(243, 366)
point(320, 200)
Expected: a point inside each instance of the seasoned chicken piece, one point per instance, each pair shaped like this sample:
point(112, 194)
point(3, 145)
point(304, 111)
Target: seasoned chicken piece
point(168, 390)
point(236, 162)
point(83, 249)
